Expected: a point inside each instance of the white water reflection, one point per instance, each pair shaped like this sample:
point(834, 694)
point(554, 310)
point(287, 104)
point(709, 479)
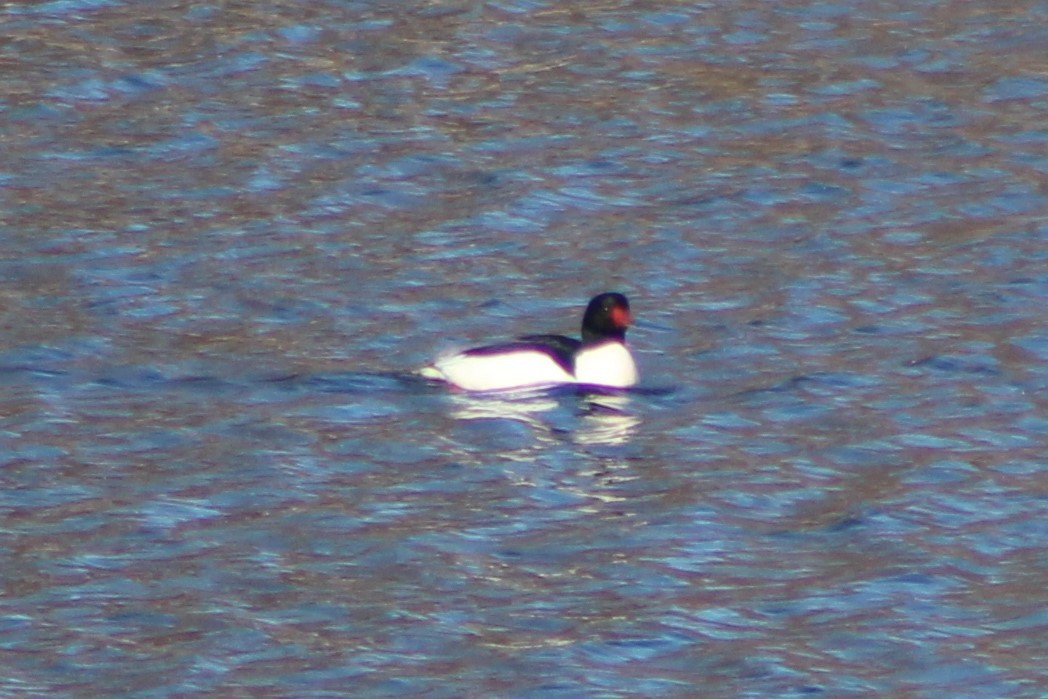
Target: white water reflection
point(582, 418)
point(607, 420)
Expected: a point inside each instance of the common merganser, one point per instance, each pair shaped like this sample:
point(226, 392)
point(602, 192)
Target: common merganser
point(601, 358)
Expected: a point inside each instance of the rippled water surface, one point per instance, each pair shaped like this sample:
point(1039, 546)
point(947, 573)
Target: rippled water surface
point(229, 230)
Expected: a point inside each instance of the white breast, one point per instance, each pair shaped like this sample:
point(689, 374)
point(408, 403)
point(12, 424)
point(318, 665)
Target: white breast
point(607, 364)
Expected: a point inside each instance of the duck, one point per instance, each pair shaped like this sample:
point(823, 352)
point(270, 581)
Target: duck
point(600, 359)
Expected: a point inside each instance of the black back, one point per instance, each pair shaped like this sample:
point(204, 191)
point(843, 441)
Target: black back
point(560, 348)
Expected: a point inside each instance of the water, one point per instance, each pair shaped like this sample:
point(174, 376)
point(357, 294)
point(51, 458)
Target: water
point(227, 231)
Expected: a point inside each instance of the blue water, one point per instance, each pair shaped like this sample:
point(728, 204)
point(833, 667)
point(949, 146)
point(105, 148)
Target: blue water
point(228, 233)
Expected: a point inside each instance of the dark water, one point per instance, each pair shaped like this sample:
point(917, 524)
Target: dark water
point(227, 229)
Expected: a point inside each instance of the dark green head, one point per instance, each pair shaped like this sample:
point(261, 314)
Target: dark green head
point(607, 317)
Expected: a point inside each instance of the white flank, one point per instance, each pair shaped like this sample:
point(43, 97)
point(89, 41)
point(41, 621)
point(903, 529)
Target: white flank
point(608, 364)
point(498, 372)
